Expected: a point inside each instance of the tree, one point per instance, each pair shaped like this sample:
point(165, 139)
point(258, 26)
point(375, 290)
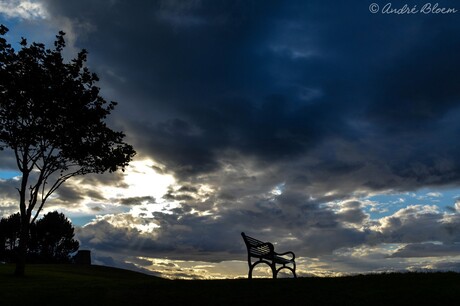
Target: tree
point(52, 118)
point(9, 237)
point(52, 239)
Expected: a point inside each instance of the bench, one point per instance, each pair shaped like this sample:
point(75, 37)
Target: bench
point(264, 252)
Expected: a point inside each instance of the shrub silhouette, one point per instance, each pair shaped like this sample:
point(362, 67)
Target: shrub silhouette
point(10, 228)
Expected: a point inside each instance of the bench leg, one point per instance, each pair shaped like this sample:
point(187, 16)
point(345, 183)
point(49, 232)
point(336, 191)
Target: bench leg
point(272, 266)
point(289, 268)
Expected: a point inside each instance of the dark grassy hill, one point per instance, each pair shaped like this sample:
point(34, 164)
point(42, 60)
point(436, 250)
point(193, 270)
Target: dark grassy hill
point(96, 285)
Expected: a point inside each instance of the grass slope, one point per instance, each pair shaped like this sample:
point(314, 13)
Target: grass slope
point(97, 285)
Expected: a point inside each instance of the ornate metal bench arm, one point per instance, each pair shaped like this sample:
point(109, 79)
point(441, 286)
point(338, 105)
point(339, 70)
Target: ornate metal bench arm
point(286, 253)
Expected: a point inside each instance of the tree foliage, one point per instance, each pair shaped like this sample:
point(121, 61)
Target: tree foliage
point(52, 239)
point(10, 228)
point(52, 118)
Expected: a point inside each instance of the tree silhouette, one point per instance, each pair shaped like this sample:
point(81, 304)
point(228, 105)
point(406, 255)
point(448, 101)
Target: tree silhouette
point(9, 237)
point(53, 119)
point(52, 239)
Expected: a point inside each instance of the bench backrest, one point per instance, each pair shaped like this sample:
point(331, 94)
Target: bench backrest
point(256, 247)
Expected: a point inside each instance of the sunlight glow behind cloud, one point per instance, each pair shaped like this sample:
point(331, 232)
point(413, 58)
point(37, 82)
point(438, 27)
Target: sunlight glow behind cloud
point(142, 179)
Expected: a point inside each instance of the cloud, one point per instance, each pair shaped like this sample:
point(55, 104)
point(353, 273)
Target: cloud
point(137, 200)
point(427, 250)
point(351, 212)
point(282, 96)
point(192, 109)
point(197, 231)
point(23, 9)
point(417, 224)
point(189, 232)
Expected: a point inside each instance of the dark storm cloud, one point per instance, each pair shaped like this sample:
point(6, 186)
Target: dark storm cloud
point(427, 250)
point(75, 190)
point(70, 194)
point(211, 78)
point(137, 200)
point(7, 160)
point(184, 193)
point(277, 79)
point(351, 212)
point(8, 188)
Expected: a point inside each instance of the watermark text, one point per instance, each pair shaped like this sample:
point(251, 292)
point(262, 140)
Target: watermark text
point(406, 9)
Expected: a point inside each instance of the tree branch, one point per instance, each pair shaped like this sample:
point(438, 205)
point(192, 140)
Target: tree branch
point(18, 159)
point(53, 188)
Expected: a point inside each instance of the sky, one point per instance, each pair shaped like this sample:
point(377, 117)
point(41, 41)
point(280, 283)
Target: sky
point(327, 127)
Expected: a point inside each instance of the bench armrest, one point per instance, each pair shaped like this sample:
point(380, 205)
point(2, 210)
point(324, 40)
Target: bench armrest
point(286, 253)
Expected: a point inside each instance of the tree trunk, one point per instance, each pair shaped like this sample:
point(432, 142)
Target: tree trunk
point(20, 267)
point(25, 219)
point(23, 242)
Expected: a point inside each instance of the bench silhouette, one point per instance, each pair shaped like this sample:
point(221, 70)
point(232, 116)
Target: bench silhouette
point(264, 252)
